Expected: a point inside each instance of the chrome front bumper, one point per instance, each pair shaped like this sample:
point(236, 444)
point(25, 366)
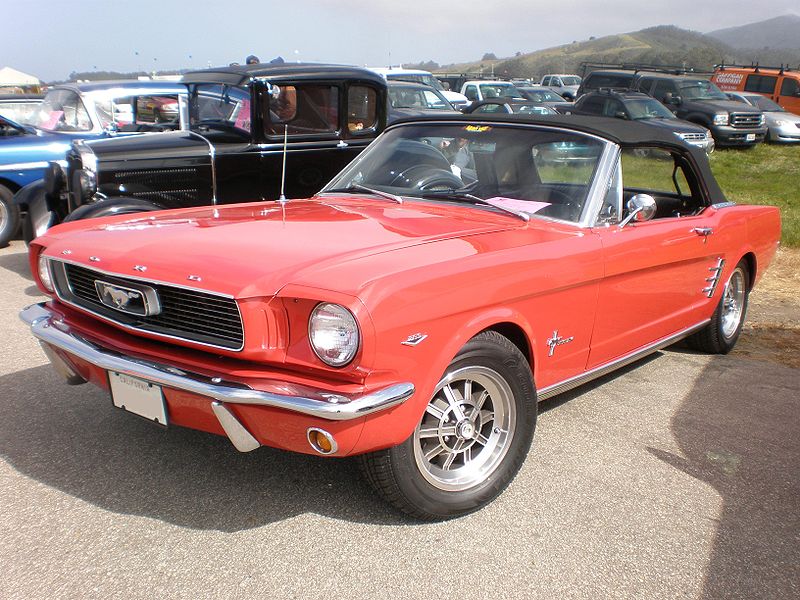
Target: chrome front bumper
point(48, 327)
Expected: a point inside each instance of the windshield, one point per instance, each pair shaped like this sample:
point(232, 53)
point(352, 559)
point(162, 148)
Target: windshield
point(700, 89)
point(497, 90)
point(570, 80)
point(417, 97)
point(62, 110)
point(218, 106)
point(646, 108)
point(541, 172)
point(763, 103)
point(542, 95)
point(425, 78)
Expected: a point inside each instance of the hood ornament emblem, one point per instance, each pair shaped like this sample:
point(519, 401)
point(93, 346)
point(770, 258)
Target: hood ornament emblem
point(133, 299)
point(557, 340)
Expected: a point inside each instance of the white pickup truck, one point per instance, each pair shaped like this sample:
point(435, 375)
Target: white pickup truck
point(483, 89)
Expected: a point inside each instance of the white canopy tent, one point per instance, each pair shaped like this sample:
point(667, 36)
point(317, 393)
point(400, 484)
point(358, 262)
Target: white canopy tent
point(12, 78)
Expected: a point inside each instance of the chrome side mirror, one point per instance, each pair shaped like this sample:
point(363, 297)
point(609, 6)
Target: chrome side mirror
point(642, 207)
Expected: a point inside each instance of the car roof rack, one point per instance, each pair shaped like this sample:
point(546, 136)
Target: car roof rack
point(756, 67)
point(637, 67)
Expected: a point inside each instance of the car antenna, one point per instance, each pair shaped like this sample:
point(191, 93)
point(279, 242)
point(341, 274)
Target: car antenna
point(282, 198)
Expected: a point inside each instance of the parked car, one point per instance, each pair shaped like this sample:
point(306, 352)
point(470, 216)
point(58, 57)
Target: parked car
point(782, 125)
point(70, 112)
point(616, 79)
point(408, 314)
point(636, 106)
point(477, 90)
point(509, 106)
point(408, 99)
point(241, 120)
point(563, 85)
point(424, 77)
point(780, 84)
point(20, 108)
point(700, 101)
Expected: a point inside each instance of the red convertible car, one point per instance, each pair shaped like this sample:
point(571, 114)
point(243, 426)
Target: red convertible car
point(416, 309)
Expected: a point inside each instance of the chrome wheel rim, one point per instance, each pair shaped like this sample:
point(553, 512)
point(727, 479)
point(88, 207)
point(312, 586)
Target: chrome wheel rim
point(733, 304)
point(3, 214)
point(466, 430)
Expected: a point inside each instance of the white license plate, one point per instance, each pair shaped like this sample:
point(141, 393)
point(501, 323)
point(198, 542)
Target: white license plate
point(750, 137)
point(138, 396)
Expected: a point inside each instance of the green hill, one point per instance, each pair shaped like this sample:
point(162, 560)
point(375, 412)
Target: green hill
point(662, 45)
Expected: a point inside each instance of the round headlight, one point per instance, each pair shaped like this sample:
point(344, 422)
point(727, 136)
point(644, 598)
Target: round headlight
point(44, 273)
point(87, 182)
point(333, 333)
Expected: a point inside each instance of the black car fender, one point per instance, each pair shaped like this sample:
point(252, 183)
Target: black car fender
point(115, 205)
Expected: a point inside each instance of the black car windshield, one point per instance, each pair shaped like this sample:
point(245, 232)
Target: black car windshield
point(218, 106)
point(647, 108)
point(700, 89)
point(542, 95)
point(540, 172)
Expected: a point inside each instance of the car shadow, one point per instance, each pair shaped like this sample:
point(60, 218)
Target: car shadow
point(72, 439)
point(16, 262)
point(738, 431)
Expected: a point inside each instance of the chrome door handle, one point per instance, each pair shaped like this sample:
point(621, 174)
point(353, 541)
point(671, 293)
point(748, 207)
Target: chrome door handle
point(704, 231)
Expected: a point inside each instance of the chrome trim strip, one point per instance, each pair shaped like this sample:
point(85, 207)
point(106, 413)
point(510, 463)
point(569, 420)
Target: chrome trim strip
point(50, 329)
point(42, 164)
point(578, 380)
point(147, 331)
point(212, 154)
point(237, 433)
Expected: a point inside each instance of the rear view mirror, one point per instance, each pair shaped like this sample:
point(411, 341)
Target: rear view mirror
point(620, 114)
point(641, 207)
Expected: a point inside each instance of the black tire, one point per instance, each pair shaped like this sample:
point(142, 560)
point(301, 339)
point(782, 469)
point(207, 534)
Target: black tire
point(722, 332)
point(426, 487)
point(9, 216)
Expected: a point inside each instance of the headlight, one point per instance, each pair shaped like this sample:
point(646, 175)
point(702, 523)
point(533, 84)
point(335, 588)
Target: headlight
point(87, 183)
point(44, 273)
point(721, 119)
point(762, 120)
point(333, 333)
point(780, 123)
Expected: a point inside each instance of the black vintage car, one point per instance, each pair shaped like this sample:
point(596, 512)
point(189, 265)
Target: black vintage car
point(240, 120)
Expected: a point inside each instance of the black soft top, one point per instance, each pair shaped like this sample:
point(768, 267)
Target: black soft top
point(626, 134)
point(241, 74)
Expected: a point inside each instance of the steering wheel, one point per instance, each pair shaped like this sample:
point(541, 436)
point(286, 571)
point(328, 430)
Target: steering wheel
point(562, 206)
point(423, 178)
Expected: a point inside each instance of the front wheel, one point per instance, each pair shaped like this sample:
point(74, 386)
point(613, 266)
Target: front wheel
point(9, 216)
point(722, 332)
point(471, 440)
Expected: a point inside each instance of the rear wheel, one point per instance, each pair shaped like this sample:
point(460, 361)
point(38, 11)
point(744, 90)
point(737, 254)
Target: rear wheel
point(9, 216)
point(471, 440)
point(722, 332)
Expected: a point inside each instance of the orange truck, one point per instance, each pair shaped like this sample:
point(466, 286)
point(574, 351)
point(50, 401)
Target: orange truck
point(781, 84)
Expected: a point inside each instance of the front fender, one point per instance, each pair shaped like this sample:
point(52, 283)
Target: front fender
point(37, 216)
point(112, 206)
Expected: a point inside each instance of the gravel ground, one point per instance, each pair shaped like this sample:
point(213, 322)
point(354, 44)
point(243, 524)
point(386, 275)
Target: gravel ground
point(675, 478)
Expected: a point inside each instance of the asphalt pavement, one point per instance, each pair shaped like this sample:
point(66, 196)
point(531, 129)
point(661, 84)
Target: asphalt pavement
point(677, 477)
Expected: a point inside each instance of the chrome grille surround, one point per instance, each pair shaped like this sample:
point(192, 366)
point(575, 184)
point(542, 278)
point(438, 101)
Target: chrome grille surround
point(188, 314)
point(745, 120)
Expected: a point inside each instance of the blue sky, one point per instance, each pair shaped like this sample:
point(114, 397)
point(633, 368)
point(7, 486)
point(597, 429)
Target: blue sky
point(51, 38)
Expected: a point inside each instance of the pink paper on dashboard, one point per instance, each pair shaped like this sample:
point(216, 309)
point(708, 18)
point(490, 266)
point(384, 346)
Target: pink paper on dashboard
point(52, 119)
point(243, 118)
point(528, 206)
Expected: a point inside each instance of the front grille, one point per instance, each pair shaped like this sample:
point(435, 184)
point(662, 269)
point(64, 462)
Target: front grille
point(693, 136)
point(185, 314)
point(745, 120)
point(166, 186)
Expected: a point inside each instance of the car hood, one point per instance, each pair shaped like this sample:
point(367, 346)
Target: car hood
point(676, 125)
point(774, 115)
point(255, 249)
point(150, 145)
point(728, 105)
point(33, 148)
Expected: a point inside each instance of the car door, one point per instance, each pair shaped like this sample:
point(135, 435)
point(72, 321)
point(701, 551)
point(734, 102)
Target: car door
point(789, 97)
point(658, 273)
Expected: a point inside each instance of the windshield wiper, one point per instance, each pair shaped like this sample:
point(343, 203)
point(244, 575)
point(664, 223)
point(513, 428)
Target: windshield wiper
point(362, 188)
point(462, 195)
